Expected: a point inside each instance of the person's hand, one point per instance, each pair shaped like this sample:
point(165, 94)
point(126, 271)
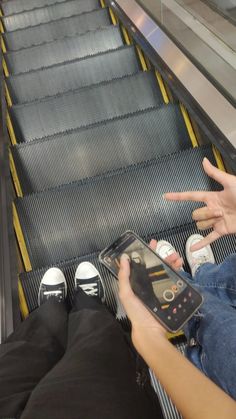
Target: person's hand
point(142, 321)
point(175, 261)
point(220, 210)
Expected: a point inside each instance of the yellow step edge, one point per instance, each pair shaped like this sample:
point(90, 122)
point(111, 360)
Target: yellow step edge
point(174, 335)
point(218, 158)
point(5, 69)
point(141, 58)
point(102, 2)
point(11, 130)
point(3, 46)
point(21, 240)
point(15, 176)
point(189, 126)
point(7, 94)
point(126, 35)
point(1, 13)
point(162, 87)
point(23, 305)
point(113, 17)
point(1, 27)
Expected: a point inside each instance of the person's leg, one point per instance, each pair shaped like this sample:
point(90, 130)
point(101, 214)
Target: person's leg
point(30, 352)
point(97, 375)
point(211, 333)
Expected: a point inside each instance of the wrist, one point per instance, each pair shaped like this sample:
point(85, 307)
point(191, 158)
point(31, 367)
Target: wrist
point(145, 336)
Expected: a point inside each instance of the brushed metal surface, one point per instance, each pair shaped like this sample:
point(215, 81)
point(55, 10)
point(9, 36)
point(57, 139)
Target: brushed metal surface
point(210, 100)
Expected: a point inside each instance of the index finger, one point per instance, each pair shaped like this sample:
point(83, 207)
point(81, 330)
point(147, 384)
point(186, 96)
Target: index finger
point(196, 196)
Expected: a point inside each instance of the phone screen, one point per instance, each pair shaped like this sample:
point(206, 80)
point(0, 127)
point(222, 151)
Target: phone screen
point(164, 291)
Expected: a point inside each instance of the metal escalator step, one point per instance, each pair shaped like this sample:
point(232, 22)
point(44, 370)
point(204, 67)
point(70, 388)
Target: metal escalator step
point(73, 75)
point(69, 26)
point(48, 13)
point(63, 50)
point(85, 106)
point(178, 236)
point(84, 217)
point(93, 151)
point(19, 6)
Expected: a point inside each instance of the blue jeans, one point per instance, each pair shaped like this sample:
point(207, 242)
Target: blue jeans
point(211, 333)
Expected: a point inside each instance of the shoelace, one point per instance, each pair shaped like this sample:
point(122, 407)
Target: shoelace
point(90, 289)
point(50, 294)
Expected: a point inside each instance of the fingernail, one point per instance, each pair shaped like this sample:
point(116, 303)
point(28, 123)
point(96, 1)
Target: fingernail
point(124, 257)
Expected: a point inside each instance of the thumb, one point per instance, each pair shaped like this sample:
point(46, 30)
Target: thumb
point(213, 172)
point(124, 274)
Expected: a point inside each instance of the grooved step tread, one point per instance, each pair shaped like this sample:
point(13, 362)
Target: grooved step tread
point(47, 32)
point(48, 13)
point(84, 217)
point(18, 6)
point(93, 151)
point(73, 75)
point(177, 237)
point(63, 50)
point(85, 107)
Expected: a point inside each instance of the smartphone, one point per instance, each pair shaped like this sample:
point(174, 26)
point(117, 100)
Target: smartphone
point(168, 296)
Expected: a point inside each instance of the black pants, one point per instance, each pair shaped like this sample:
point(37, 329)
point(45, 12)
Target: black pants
point(76, 366)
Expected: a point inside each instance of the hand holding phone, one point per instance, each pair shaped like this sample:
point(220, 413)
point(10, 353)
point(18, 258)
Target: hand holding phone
point(163, 291)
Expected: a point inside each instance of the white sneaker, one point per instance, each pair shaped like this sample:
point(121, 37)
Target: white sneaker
point(52, 286)
point(89, 280)
point(164, 249)
point(199, 257)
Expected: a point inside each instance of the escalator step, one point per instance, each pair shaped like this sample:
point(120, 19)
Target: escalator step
point(64, 50)
point(84, 217)
point(93, 151)
point(70, 26)
point(30, 281)
point(85, 106)
point(73, 75)
point(19, 6)
point(49, 13)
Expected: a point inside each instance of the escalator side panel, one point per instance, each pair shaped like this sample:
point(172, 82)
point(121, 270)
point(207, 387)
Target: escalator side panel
point(63, 50)
point(48, 14)
point(85, 217)
point(85, 107)
point(70, 26)
point(74, 75)
point(93, 151)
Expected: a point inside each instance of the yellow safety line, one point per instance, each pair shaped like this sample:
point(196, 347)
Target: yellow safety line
point(7, 94)
point(189, 126)
point(15, 176)
point(113, 17)
point(21, 240)
point(5, 69)
point(102, 4)
point(2, 30)
point(1, 14)
point(162, 87)
point(218, 159)
point(174, 335)
point(126, 35)
point(23, 305)
point(141, 58)
point(11, 130)
point(3, 46)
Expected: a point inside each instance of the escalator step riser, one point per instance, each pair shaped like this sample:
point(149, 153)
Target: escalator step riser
point(71, 26)
point(91, 152)
point(85, 217)
point(19, 6)
point(85, 107)
point(62, 78)
point(64, 50)
point(47, 14)
point(178, 237)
